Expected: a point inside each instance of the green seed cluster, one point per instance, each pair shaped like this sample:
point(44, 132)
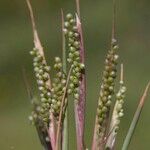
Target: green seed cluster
point(116, 116)
point(32, 118)
point(107, 87)
point(35, 114)
point(36, 120)
point(73, 39)
point(42, 75)
point(58, 87)
point(118, 109)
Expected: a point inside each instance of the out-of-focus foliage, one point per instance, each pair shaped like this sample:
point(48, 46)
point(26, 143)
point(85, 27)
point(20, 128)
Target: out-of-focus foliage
point(16, 41)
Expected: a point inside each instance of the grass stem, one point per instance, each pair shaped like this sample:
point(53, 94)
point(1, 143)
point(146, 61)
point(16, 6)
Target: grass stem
point(62, 111)
point(65, 126)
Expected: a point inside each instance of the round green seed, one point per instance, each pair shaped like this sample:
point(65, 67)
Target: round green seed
point(69, 16)
point(72, 21)
point(104, 109)
point(76, 44)
point(32, 52)
point(70, 34)
point(57, 60)
point(67, 24)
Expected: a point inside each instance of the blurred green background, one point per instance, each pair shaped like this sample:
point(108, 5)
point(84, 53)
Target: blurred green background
point(133, 31)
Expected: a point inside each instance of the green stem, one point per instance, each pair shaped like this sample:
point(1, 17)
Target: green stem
point(65, 131)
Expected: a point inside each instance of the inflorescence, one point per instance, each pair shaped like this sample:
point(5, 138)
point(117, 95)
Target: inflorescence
point(107, 87)
point(118, 109)
point(42, 75)
point(73, 40)
point(117, 114)
point(58, 87)
point(51, 98)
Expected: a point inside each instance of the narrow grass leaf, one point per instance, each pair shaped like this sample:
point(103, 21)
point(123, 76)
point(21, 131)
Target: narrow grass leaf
point(135, 119)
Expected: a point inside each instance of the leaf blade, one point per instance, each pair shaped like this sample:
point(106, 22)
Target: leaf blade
point(135, 119)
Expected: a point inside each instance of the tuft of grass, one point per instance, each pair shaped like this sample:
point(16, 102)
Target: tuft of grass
point(50, 110)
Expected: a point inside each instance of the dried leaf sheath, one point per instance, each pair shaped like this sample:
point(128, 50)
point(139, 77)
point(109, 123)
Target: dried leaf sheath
point(81, 103)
